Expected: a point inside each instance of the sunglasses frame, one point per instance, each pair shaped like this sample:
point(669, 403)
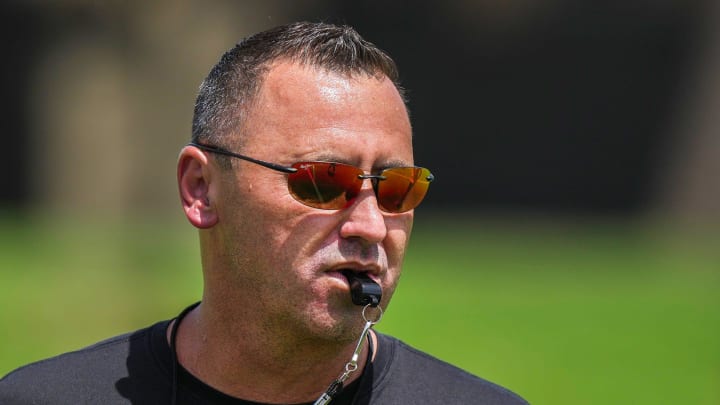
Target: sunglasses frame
point(221, 151)
point(374, 178)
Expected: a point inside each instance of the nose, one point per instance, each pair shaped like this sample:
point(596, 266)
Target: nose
point(363, 219)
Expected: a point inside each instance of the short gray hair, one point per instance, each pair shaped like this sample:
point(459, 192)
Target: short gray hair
point(232, 84)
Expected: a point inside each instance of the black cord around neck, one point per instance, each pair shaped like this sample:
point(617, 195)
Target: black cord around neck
point(173, 350)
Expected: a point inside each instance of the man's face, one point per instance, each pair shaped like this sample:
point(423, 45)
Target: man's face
point(285, 258)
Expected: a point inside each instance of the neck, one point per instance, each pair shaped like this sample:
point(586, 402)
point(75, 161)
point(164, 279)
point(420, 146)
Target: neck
point(259, 365)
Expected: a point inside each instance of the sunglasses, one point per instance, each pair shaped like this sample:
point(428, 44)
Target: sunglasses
point(333, 186)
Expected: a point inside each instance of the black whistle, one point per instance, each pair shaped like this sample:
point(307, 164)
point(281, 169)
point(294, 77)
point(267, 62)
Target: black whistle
point(363, 290)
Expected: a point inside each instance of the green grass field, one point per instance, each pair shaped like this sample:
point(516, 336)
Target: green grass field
point(562, 314)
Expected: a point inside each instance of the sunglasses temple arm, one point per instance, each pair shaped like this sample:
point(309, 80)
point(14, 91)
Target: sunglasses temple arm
point(263, 163)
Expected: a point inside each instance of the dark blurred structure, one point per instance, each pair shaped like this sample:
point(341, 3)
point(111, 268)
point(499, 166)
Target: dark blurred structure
point(551, 107)
point(540, 107)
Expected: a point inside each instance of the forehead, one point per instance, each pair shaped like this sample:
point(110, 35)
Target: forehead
point(303, 112)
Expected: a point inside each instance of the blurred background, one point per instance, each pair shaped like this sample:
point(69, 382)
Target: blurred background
point(567, 250)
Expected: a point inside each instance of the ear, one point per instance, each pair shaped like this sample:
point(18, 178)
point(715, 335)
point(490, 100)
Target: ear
point(193, 174)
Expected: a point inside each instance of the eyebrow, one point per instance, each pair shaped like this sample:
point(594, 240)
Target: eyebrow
point(329, 157)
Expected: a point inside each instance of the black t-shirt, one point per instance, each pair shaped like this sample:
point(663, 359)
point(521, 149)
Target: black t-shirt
point(136, 368)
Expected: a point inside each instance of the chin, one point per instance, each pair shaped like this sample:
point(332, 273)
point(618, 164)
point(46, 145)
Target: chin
point(340, 324)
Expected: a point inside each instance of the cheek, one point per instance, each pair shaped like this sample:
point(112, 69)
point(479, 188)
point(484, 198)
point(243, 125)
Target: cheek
point(258, 216)
point(292, 236)
point(399, 230)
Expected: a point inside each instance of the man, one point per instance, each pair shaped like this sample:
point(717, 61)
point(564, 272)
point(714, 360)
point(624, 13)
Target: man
point(300, 178)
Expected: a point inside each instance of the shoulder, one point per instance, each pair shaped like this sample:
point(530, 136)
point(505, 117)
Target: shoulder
point(410, 374)
point(83, 375)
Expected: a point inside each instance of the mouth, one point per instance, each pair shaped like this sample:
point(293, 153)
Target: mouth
point(346, 274)
point(361, 282)
point(350, 275)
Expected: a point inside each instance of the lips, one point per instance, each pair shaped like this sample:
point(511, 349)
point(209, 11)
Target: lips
point(343, 271)
point(348, 273)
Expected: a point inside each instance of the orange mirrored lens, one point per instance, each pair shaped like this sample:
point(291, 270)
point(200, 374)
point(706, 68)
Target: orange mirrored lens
point(403, 188)
point(325, 185)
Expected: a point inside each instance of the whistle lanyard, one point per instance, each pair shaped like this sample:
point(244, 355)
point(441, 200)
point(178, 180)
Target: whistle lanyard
point(351, 366)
